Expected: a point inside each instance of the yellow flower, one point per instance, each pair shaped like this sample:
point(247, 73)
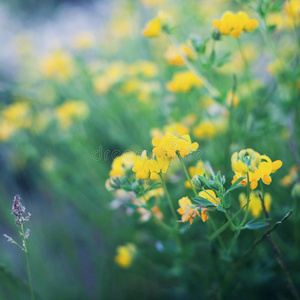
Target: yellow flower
point(70, 111)
point(255, 206)
point(174, 58)
point(235, 24)
point(187, 211)
point(143, 67)
point(199, 169)
point(122, 163)
point(210, 195)
point(177, 129)
point(204, 215)
point(58, 65)
point(205, 129)
point(287, 180)
point(169, 145)
point(267, 167)
point(244, 161)
point(153, 28)
point(125, 255)
point(146, 214)
point(183, 82)
point(292, 9)
point(145, 168)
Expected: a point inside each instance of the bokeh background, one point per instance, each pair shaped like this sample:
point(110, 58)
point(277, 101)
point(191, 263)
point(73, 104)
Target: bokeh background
point(79, 85)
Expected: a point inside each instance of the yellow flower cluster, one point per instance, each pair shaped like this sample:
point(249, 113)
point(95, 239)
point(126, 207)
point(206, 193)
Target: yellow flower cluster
point(58, 65)
point(292, 176)
point(122, 163)
point(183, 82)
point(169, 145)
point(206, 129)
point(70, 111)
point(189, 212)
point(154, 27)
point(292, 9)
point(255, 203)
point(12, 118)
point(257, 166)
point(174, 58)
point(149, 168)
point(235, 24)
point(125, 255)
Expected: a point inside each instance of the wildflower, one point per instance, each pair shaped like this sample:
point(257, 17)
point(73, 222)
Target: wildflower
point(206, 129)
point(145, 168)
point(187, 211)
point(125, 255)
point(154, 27)
point(169, 145)
point(267, 167)
point(199, 169)
point(255, 203)
point(210, 195)
point(122, 163)
point(70, 111)
point(177, 129)
point(287, 180)
point(18, 210)
point(183, 82)
point(146, 214)
point(143, 67)
point(174, 58)
point(292, 9)
point(244, 161)
point(57, 65)
point(204, 215)
point(235, 24)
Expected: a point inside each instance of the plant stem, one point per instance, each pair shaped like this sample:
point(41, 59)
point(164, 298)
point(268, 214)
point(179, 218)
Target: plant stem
point(187, 174)
point(277, 253)
point(191, 67)
point(28, 267)
point(248, 200)
point(168, 196)
point(215, 229)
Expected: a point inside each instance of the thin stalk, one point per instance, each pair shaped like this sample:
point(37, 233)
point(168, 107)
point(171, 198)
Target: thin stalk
point(248, 200)
point(191, 67)
point(187, 174)
point(277, 253)
point(222, 244)
point(168, 196)
point(28, 267)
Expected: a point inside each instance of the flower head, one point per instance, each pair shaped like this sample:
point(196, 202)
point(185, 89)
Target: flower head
point(183, 82)
point(188, 211)
point(255, 203)
point(125, 255)
point(235, 24)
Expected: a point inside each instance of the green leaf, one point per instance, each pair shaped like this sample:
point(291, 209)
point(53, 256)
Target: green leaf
point(154, 186)
point(204, 202)
point(126, 188)
point(227, 200)
point(221, 208)
point(223, 60)
point(219, 231)
point(271, 28)
point(256, 225)
point(236, 184)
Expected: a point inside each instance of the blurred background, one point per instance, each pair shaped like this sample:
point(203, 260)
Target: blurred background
point(79, 85)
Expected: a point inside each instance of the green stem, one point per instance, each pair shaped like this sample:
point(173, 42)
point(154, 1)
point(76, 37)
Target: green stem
point(28, 267)
point(191, 67)
point(215, 229)
point(168, 196)
point(187, 174)
point(247, 205)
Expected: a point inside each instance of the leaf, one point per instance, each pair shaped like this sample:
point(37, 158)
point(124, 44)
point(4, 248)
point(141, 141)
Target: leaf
point(223, 60)
point(204, 202)
point(126, 188)
point(236, 184)
point(154, 186)
point(221, 208)
point(271, 28)
point(227, 200)
point(256, 225)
